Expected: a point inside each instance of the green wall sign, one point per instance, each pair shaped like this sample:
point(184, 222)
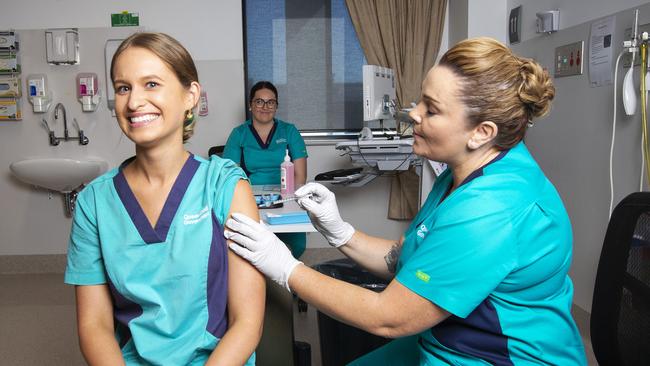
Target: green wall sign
point(125, 19)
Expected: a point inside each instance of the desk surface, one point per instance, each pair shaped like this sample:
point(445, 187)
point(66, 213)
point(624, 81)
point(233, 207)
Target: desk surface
point(290, 206)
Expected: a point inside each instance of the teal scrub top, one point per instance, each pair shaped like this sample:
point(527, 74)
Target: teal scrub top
point(168, 283)
point(261, 159)
point(495, 253)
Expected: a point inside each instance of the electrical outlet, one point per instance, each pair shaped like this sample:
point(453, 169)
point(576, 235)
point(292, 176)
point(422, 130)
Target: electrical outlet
point(569, 59)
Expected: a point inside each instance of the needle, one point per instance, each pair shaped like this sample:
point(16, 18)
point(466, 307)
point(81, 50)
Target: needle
point(292, 198)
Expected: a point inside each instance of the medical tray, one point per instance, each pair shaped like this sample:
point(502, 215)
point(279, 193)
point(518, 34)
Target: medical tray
point(298, 217)
point(266, 200)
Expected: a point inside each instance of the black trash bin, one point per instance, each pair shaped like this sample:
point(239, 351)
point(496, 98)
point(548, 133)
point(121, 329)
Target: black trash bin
point(341, 343)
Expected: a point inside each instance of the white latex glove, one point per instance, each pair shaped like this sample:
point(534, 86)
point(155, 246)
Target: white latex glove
point(254, 242)
point(320, 204)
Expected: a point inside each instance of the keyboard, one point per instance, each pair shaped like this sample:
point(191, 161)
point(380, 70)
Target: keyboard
point(338, 173)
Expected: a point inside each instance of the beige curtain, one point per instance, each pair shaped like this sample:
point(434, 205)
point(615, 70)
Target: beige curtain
point(401, 34)
point(405, 36)
point(404, 195)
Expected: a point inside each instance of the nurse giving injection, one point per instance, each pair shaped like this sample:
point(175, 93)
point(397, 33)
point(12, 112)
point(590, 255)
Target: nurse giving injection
point(480, 276)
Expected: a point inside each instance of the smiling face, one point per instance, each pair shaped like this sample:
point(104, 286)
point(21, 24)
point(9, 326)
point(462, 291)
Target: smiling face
point(265, 113)
point(150, 101)
point(441, 131)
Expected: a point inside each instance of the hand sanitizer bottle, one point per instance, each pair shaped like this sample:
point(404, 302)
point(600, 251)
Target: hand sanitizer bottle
point(286, 176)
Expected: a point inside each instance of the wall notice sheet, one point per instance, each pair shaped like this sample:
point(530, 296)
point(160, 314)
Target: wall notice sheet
point(600, 52)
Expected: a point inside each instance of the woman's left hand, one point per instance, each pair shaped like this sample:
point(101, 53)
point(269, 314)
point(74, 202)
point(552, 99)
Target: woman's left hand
point(254, 242)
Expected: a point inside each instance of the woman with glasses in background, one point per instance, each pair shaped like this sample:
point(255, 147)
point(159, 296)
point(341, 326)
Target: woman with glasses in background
point(258, 145)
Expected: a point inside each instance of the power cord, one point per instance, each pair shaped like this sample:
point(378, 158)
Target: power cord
point(644, 106)
point(611, 148)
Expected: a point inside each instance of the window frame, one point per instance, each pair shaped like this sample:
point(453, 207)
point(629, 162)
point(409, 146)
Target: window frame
point(307, 134)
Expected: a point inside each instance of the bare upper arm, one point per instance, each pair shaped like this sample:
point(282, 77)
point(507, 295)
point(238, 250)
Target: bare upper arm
point(406, 312)
point(246, 288)
point(94, 306)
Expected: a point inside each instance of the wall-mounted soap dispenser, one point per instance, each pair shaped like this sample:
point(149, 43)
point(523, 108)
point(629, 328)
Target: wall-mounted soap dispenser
point(88, 91)
point(39, 93)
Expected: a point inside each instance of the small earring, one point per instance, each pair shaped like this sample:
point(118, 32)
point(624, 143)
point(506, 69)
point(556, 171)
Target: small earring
point(189, 117)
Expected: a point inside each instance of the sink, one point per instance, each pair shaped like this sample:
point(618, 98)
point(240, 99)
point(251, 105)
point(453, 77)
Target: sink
point(58, 174)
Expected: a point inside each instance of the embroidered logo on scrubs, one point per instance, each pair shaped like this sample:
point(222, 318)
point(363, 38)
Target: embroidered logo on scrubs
point(191, 219)
point(422, 276)
point(281, 141)
point(422, 230)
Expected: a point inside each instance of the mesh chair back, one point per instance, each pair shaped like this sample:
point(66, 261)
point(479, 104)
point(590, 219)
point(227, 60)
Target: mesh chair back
point(620, 316)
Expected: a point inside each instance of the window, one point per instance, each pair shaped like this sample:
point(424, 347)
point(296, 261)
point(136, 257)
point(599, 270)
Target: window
point(309, 50)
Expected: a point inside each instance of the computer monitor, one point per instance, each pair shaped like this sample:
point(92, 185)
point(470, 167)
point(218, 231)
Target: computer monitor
point(378, 93)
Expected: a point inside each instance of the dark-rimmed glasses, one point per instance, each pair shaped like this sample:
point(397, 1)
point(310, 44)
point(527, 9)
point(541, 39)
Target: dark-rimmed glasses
point(261, 103)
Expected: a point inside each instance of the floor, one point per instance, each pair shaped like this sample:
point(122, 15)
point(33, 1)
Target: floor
point(37, 321)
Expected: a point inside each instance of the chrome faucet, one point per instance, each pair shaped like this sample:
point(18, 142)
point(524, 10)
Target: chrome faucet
point(54, 140)
point(65, 120)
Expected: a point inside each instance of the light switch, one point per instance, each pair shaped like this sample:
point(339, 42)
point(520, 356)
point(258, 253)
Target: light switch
point(514, 25)
point(569, 59)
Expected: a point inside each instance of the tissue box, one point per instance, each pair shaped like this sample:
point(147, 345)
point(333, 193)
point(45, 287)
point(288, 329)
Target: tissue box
point(9, 109)
point(10, 87)
point(298, 217)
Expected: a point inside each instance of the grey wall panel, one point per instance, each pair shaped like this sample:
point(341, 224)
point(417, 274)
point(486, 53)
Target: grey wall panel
point(572, 145)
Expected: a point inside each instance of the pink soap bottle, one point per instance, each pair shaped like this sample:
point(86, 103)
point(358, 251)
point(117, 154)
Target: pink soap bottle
point(286, 176)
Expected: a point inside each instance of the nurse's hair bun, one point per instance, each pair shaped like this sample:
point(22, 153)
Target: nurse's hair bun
point(498, 86)
point(536, 90)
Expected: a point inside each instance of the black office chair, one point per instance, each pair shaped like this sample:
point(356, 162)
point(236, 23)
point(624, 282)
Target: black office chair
point(216, 150)
point(620, 312)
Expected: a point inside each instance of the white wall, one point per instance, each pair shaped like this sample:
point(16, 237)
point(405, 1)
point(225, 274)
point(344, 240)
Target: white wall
point(476, 18)
point(210, 30)
point(572, 144)
point(572, 12)
point(487, 19)
point(32, 221)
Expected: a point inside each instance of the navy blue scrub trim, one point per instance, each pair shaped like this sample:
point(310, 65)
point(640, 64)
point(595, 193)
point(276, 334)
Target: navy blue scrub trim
point(159, 233)
point(176, 196)
point(242, 162)
point(479, 172)
point(217, 286)
point(124, 310)
point(475, 174)
point(264, 144)
point(479, 335)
